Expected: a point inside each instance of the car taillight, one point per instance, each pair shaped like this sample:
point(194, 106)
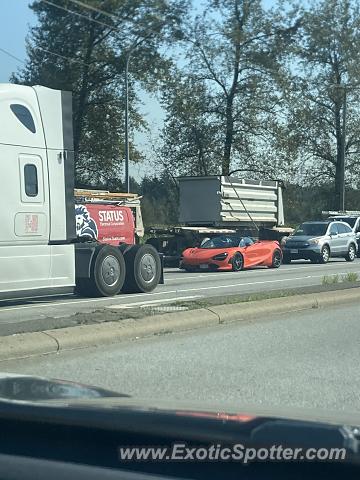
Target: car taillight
point(220, 256)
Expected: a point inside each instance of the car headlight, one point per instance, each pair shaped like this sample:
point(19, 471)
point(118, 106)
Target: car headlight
point(220, 256)
point(314, 241)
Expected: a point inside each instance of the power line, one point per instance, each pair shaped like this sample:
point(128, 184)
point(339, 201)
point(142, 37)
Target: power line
point(77, 2)
point(77, 13)
point(70, 59)
point(95, 9)
point(12, 56)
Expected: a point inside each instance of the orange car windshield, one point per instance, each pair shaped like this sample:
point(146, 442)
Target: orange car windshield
point(225, 242)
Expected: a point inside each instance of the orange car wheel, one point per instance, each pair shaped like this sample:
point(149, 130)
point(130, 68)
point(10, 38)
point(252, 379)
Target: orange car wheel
point(237, 262)
point(276, 259)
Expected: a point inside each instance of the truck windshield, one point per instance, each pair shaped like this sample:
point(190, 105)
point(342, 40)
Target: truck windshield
point(315, 229)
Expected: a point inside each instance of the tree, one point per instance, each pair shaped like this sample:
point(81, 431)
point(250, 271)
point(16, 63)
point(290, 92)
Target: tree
point(190, 143)
point(83, 50)
point(225, 97)
point(325, 64)
point(160, 200)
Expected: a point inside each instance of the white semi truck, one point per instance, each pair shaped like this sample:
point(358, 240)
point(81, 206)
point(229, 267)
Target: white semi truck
point(39, 250)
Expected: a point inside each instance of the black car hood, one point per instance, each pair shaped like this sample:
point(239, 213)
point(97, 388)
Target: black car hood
point(25, 399)
point(15, 387)
point(26, 389)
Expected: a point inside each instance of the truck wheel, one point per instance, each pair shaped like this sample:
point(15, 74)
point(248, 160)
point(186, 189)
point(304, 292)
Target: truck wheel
point(143, 269)
point(107, 274)
point(276, 259)
point(237, 262)
point(124, 247)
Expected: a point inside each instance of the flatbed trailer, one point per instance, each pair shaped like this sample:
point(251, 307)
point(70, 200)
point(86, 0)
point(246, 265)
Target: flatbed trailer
point(216, 205)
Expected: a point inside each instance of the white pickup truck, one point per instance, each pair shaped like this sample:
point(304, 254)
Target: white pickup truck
point(40, 252)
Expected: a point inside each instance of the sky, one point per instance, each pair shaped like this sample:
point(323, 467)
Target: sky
point(16, 20)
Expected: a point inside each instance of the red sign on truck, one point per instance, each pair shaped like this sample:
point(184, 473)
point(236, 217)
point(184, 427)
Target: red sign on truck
point(106, 223)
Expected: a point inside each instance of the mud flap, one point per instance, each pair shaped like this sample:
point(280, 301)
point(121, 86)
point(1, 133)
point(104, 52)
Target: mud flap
point(162, 281)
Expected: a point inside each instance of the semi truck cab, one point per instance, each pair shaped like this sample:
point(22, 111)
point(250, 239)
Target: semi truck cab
point(39, 249)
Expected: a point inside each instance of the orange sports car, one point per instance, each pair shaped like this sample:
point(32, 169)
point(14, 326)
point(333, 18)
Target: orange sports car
point(231, 253)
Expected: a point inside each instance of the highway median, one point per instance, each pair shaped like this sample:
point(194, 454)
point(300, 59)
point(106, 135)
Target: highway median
point(126, 325)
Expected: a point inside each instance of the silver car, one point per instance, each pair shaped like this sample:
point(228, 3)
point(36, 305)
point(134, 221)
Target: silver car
point(354, 223)
point(318, 241)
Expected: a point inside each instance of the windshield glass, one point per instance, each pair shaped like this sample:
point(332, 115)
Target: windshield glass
point(313, 229)
point(221, 242)
point(349, 220)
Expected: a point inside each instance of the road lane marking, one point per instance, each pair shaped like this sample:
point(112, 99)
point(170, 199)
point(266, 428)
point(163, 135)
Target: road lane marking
point(164, 292)
point(255, 270)
point(248, 283)
point(251, 283)
point(144, 304)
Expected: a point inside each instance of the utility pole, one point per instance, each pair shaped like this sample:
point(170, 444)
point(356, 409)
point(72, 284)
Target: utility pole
point(127, 177)
point(342, 158)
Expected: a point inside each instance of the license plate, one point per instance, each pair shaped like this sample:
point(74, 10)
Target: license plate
point(294, 250)
point(204, 266)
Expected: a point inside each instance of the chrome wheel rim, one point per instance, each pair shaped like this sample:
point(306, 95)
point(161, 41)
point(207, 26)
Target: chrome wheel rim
point(110, 270)
point(325, 254)
point(277, 259)
point(147, 267)
point(238, 262)
point(351, 252)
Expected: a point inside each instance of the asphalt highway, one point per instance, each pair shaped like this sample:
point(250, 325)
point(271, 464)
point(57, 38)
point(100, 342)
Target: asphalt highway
point(180, 285)
point(306, 359)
